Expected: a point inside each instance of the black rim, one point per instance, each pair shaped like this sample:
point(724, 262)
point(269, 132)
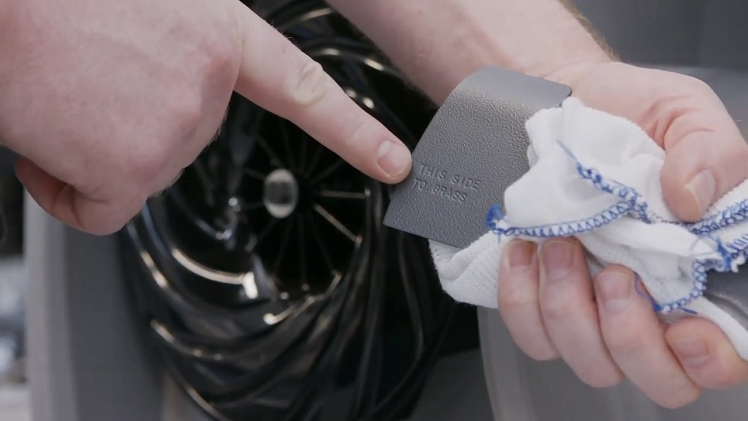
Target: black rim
point(265, 275)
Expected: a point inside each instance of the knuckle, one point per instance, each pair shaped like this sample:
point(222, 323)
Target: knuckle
point(223, 66)
point(152, 161)
point(600, 382)
point(531, 339)
point(727, 379)
point(624, 340)
point(359, 129)
point(516, 298)
point(599, 378)
point(308, 84)
point(699, 85)
point(188, 115)
point(560, 304)
point(224, 58)
point(555, 309)
point(352, 142)
point(679, 397)
point(540, 352)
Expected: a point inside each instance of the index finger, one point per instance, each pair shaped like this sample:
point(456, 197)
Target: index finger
point(279, 77)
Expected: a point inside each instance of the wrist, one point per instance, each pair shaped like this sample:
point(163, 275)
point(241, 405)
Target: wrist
point(439, 46)
point(562, 43)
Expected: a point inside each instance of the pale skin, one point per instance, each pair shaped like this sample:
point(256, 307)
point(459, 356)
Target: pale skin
point(107, 101)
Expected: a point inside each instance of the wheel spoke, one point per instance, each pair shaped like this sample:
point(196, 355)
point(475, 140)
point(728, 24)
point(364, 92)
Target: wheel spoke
point(183, 207)
point(335, 223)
point(326, 172)
point(252, 125)
point(206, 181)
point(282, 248)
point(286, 140)
point(303, 140)
point(274, 160)
point(255, 241)
point(240, 136)
point(253, 205)
point(321, 244)
point(333, 194)
point(254, 174)
point(302, 250)
point(315, 160)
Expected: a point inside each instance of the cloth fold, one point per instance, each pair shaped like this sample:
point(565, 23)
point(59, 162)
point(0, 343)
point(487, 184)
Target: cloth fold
point(596, 177)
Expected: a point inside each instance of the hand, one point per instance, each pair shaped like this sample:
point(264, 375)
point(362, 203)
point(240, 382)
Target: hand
point(107, 101)
point(603, 329)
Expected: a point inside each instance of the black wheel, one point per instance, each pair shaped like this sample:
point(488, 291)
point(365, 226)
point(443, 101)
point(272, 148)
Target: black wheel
point(264, 274)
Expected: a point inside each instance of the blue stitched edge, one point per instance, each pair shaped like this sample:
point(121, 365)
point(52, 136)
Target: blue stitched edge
point(564, 229)
point(633, 204)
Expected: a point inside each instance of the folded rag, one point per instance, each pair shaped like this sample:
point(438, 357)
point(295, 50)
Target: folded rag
point(596, 177)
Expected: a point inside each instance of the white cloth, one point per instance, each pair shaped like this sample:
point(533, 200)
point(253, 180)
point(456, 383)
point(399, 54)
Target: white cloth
point(596, 176)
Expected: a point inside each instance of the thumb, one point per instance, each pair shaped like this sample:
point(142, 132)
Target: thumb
point(65, 203)
point(700, 168)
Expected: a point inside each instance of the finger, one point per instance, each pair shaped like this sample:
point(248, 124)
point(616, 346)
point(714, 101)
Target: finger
point(280, 78)
point(635, 339)
point(702, 165)
point(706, 354)
point(570, 314)
point(518, 300)
point(65, 204)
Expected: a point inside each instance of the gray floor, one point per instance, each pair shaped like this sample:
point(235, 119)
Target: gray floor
point(14, 403)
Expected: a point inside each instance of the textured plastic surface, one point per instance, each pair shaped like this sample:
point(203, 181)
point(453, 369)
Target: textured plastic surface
point(474, 148)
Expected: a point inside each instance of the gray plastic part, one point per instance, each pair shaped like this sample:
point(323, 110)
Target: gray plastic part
point(87, 359)
point(473, 149)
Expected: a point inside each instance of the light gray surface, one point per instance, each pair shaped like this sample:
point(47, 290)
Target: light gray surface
point(14, 403)
point(86, 362)
point(653, 31)
point(676, 32)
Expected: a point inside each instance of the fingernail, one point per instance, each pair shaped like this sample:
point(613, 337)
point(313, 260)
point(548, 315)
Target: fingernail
point(393, 158)
point(557, 259)
point(702, 187)
point(520, 254)
point(614, 289)
point(692, 352)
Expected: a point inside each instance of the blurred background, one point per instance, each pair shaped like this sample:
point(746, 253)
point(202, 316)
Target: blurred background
point(690, 35)
point(13, 398)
